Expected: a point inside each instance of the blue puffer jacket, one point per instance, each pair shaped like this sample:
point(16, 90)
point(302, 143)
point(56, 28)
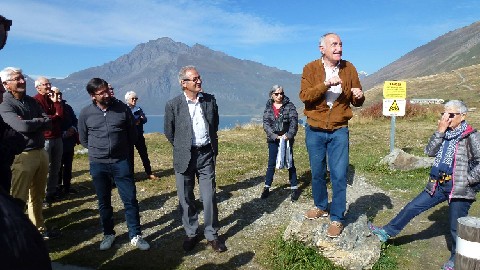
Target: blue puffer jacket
point(466, 164)
point(290, 119)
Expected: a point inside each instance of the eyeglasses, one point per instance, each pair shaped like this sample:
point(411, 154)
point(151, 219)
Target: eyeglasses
point(17, 79)
point(450, 115)
point(135, 98)
point(103, 93)
point(195, 79)
point(277, 94)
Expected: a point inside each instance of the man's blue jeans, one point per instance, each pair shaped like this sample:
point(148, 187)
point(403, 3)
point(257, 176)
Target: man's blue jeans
point(272, 159)
point(102, 173)
point(457, 208)
point(334, 145)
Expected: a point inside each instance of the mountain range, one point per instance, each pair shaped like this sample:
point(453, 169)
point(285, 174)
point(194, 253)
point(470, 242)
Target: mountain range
point(241, 86)
point(453, 50)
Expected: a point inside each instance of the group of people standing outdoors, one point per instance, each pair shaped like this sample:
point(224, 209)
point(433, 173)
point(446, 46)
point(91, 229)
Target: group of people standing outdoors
point(109, 129)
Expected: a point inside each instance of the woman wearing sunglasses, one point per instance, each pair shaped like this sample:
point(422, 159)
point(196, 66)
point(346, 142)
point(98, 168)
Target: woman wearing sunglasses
point(454, 176)
point(280, 122)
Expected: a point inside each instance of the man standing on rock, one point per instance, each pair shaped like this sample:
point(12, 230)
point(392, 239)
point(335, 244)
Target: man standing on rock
point(329, 87)
point(191, 125)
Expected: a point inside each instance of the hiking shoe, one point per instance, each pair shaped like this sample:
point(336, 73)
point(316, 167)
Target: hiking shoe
point(335, 229)
point(315, 213)
point(379, 232)
point(294, 194)
point(448, 266)
point(265, 193)
point(107, 241)
point(139, 242)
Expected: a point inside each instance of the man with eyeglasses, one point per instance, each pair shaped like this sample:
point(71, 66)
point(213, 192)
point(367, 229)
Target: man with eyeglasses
point(30, 168)
point(191, 125)
point(51, 104)
point(106, 128)
point(329, 86)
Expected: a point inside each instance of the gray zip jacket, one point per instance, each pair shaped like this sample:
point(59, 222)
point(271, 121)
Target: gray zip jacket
point(466, 164)
point(26, 117)
point(108, 135)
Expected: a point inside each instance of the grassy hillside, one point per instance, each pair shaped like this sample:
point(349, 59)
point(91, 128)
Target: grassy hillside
point(463, 84)
point(241, 163)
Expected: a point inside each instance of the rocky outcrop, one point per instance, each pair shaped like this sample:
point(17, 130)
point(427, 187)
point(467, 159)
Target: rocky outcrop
point(399, 160)
point(353, 249)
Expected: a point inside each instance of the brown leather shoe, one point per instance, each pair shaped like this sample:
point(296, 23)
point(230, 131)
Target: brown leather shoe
point(189, 243)
point(217, 245)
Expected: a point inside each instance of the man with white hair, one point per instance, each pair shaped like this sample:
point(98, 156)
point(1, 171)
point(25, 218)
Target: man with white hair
point(140, 119)
point(30, 168)
point(52, 106)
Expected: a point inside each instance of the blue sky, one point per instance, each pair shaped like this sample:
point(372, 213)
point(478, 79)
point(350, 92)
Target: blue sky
point(55, 38)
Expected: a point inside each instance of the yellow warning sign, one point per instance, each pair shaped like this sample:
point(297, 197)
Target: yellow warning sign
point(395, 90)
point(394, 107)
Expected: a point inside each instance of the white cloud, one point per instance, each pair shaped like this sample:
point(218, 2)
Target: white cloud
point(120, 22)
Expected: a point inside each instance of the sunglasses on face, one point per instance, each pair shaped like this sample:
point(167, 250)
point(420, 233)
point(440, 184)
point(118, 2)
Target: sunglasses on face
point(277, 94)
point(450, 115)
point(135, 99)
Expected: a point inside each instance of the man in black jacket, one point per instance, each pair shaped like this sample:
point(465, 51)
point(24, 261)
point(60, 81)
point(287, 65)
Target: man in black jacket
point(107, 130)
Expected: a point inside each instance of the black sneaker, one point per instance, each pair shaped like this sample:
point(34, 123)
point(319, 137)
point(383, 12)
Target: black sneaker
point(294, 194)
point(50, 234)
point(265, 193)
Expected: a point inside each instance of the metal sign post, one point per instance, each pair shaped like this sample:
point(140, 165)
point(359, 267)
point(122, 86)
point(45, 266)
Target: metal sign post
point(392, 133)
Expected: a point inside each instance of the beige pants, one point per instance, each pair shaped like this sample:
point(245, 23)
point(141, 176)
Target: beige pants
point(29, 179)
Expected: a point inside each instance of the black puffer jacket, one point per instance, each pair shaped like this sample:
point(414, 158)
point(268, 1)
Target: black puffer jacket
point(290, 119)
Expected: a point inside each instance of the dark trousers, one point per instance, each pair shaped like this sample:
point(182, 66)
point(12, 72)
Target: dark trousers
point(6, 177)
point(272, 161)
point(65, 174)
point(102, 173)
point(142, 151)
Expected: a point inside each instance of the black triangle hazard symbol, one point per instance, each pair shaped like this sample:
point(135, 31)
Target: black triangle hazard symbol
point(394, 107)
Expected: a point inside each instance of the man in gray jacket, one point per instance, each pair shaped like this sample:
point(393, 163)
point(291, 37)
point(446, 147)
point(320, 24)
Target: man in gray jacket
point(30, 168)
point(191, 125)
point(107, 130)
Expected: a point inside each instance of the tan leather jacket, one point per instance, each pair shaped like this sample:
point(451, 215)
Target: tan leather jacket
point(312, 94)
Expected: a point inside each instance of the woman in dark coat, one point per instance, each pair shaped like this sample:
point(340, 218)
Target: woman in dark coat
point(280, 108)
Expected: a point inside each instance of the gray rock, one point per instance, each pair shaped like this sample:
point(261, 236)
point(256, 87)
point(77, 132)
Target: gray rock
point(399, 160)
point(353, 249)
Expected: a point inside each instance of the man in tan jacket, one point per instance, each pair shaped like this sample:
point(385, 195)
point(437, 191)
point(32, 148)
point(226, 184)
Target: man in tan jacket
point(329, 87)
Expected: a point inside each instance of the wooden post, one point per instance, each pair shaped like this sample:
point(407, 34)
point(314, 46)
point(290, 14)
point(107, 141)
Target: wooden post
point(467, 256)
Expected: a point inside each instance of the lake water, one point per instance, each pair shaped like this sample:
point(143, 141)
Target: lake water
point(155, 122)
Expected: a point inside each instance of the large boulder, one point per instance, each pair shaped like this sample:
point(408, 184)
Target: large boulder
point(353, 249)
point(400, 160)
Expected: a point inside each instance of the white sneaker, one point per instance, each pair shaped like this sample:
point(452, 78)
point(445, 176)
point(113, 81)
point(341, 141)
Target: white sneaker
point(139, 242)
point(107, 241)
